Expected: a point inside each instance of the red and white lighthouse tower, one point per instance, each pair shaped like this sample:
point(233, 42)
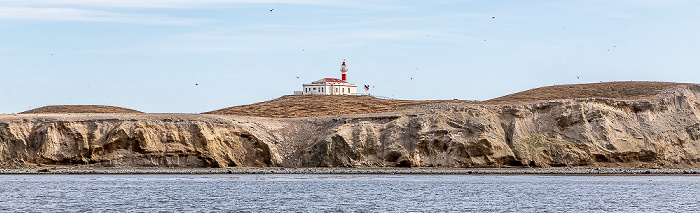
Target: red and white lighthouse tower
point(330, 86)
point(344, 70)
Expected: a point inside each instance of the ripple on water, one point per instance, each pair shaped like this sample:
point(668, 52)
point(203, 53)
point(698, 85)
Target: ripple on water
point(383, 193)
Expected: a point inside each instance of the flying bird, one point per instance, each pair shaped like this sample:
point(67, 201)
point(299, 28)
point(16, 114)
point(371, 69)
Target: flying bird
point(297, 77)
point(577, 77)
point(271, 10)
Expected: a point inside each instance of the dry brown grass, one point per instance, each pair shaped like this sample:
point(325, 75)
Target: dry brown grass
point(291, 106)
point(628, 90)
point(80, 109)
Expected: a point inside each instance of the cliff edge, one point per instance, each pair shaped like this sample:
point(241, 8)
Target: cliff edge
point(649, 131)
point(661, 132)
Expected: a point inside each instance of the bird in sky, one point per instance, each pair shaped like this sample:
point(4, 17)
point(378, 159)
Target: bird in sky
point(577, 77)
point(271, 10)
point(297, 77)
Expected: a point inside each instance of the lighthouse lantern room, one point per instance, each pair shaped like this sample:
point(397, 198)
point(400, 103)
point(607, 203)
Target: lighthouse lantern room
point(330, 86)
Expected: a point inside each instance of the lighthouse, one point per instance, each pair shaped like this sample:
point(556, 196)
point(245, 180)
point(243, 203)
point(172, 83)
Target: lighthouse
point(344, 70)
point(330, 86)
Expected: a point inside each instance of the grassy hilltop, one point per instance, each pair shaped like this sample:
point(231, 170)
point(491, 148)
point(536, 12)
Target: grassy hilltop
point(319, 105)
point(79, 109)
point(291, 106)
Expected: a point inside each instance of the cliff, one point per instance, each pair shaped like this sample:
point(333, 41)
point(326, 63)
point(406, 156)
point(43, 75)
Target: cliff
point(662, 131)
point(126, 140)
point(659, 133)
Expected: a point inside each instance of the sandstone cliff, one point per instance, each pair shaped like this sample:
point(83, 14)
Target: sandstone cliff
point(662, 131)
point(131, 140)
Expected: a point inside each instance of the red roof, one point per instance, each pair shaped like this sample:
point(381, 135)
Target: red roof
point(329, 80)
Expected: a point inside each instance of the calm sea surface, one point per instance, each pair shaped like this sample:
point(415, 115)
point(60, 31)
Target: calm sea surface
point(347, 193)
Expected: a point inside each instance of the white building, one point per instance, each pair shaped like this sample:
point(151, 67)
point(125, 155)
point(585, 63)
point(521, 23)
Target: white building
point(330, 86)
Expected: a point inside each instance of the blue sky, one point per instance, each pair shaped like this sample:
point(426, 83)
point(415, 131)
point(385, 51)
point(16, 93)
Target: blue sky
point(187, 56)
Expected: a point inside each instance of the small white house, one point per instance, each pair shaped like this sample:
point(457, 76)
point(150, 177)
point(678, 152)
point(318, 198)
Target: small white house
point(330, 86)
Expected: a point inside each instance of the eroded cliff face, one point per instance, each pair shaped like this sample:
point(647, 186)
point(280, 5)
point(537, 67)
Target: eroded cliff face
point(660, 132)
point(663, 132)
point(124, 143)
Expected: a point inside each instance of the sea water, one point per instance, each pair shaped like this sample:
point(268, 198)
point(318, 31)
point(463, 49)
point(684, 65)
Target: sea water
point(347, 193)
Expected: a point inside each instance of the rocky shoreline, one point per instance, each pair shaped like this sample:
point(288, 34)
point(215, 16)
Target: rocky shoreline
point(322, 170)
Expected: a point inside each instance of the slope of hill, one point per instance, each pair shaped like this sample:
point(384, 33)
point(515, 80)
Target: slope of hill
point(628, 90)
point(292, 106)
point(80, 109)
